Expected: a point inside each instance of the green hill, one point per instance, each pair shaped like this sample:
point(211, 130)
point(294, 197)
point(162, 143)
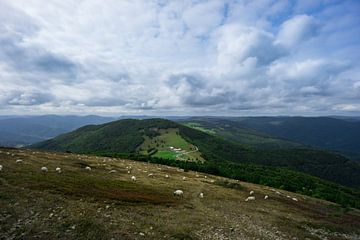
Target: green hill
point(155, 137)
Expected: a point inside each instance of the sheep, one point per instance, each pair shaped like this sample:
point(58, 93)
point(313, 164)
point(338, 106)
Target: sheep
point(150, 175)
point(166, 176)
point(294, 199)
point(128, 172)
point(112, 171)
point(58, 170)
point(178, 193)
point(183, 178)
point(44, 169)
point(19, 161)
point(88, 168)
point(252, 198)
point(1, 167)
point(133, 178)
point(266, 197)
point(251, 192)
point(201, 195)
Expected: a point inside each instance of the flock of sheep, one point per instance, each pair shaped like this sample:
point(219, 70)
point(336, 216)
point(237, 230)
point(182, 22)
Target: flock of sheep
point(177, 193)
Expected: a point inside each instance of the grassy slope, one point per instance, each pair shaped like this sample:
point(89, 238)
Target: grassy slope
point(78, 204)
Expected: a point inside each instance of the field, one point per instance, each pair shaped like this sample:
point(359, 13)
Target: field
point(198, 126)
point(166, 154)
point(170, 138)
point(97, 204)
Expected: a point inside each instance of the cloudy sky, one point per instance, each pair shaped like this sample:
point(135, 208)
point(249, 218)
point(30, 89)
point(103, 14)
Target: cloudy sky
point(222, 57)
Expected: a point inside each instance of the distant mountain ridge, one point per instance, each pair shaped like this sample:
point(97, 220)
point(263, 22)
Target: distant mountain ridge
point(125, 136)
point(25, 130)
point(324, 132)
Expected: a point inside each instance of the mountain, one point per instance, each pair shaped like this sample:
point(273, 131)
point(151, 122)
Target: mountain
point(25, 130)
point(335, 134)
point(160, 138)
point(105, 203)
point(236, 131)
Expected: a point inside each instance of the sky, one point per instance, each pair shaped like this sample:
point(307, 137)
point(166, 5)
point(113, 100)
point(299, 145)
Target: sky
point(158, 57)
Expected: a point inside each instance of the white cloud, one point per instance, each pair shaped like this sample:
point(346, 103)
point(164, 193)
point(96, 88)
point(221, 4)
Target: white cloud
point(295, 30)
point(179, 57)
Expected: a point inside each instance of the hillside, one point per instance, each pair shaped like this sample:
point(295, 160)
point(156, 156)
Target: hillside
point(324, 132)
point(235, 131)
point(128, 136)
point(97, 204)
point(25, 130)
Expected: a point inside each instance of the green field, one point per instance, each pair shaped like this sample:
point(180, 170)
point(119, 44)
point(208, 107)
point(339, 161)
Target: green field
point(165, 154)
point(169, 138)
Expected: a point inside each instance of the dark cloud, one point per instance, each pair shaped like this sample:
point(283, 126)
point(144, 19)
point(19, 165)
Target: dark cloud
point(31, 59)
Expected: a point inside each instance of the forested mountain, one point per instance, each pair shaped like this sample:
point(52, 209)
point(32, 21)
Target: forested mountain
point(324, 132)
point(339, 134)
point(125, 136)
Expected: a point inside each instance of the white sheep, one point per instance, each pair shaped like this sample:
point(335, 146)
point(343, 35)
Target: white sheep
point(88, 168)
point(183, 178)
point(112, 171)
point(1, 167)
point(201, 195)
point(44, 169)
point(166, 176)
point(58, 170)
point(178, 193)
point(266, 197)
point(251, 192)
point(252, 198)
point(150, 175)
point(294, 199)
point(19, 161)
point(133, 178)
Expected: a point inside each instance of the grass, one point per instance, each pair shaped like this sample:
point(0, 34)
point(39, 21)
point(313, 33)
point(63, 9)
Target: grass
point(166, 154)
point(199, 127)
point(79, 204)
point(169, 138)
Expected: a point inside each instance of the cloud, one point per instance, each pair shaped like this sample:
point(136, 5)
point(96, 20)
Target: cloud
point(297, 29)
point(29, 98)
point(179, 57)
point(237, 43)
